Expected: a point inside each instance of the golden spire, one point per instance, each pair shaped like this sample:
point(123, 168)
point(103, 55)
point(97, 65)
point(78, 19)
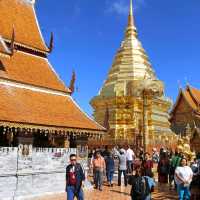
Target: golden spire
point(131, 23)
point(130, 17)
point(130, 63)
point(131, 7)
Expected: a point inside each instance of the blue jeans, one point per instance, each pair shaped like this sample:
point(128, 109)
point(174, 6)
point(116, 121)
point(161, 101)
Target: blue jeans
point(148, 197)
point(183, 192)
point(129, 166)
point(98, 178)
point(109, 174)
point(71, 193)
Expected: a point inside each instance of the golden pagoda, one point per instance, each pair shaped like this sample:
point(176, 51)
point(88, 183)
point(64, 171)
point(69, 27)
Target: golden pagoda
point(132, 98)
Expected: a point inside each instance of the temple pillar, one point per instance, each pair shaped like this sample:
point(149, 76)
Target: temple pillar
point(11, 138)
point(145, 121)
point(53, 141)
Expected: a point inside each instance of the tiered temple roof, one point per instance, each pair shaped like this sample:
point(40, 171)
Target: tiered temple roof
point(191, 96)
point(21, 15)
point(32, 70)
point(32, 94)
point(42, 108)
point(185, 115)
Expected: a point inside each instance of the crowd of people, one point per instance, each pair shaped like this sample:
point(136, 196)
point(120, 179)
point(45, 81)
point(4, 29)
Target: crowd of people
point(176, 170)
point(138, 169)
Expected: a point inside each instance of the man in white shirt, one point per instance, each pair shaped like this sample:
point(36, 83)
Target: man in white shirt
point(183, 179)
point(130, 156)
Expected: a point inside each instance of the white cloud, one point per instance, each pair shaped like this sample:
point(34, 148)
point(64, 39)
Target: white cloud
point(121, 7)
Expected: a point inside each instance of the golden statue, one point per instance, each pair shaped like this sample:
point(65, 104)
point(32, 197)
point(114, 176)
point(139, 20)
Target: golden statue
point(184, 147)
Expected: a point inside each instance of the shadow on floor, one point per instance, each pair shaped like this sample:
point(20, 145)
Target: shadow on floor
point(119, 192)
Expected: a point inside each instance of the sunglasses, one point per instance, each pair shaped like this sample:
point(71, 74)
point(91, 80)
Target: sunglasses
point(73, 160)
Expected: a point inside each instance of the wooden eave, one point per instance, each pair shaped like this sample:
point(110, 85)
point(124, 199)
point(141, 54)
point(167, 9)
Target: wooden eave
point(63, 129)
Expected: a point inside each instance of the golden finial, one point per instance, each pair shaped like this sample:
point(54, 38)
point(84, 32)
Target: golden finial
point(131, 29)
point(130, 17)
point(131, 8)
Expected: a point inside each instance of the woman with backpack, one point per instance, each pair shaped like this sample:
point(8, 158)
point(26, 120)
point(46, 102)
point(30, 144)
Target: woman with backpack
point(141, 186)
point(163, 168)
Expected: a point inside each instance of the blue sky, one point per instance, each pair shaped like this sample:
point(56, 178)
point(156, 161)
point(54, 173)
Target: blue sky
point(88, 34)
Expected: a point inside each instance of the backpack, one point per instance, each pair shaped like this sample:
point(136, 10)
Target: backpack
point(141, 187)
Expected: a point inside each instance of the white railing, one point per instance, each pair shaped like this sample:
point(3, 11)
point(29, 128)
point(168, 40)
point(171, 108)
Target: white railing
point(27, 171)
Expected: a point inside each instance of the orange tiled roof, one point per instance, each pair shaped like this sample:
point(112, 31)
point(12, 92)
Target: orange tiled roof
point(196, 94)
point(27, 68)
point(192, 96)
point(27, 106)
point(189, 99)
point(21, 16)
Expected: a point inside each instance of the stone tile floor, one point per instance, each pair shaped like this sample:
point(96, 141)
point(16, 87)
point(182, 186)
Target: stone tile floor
point(117, 193)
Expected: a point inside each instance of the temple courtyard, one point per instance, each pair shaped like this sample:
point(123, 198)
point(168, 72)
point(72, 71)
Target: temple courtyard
point(117, 193)
point(135, 104)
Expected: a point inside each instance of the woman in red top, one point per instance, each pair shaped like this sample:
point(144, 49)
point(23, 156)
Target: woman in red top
point(147, 164)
